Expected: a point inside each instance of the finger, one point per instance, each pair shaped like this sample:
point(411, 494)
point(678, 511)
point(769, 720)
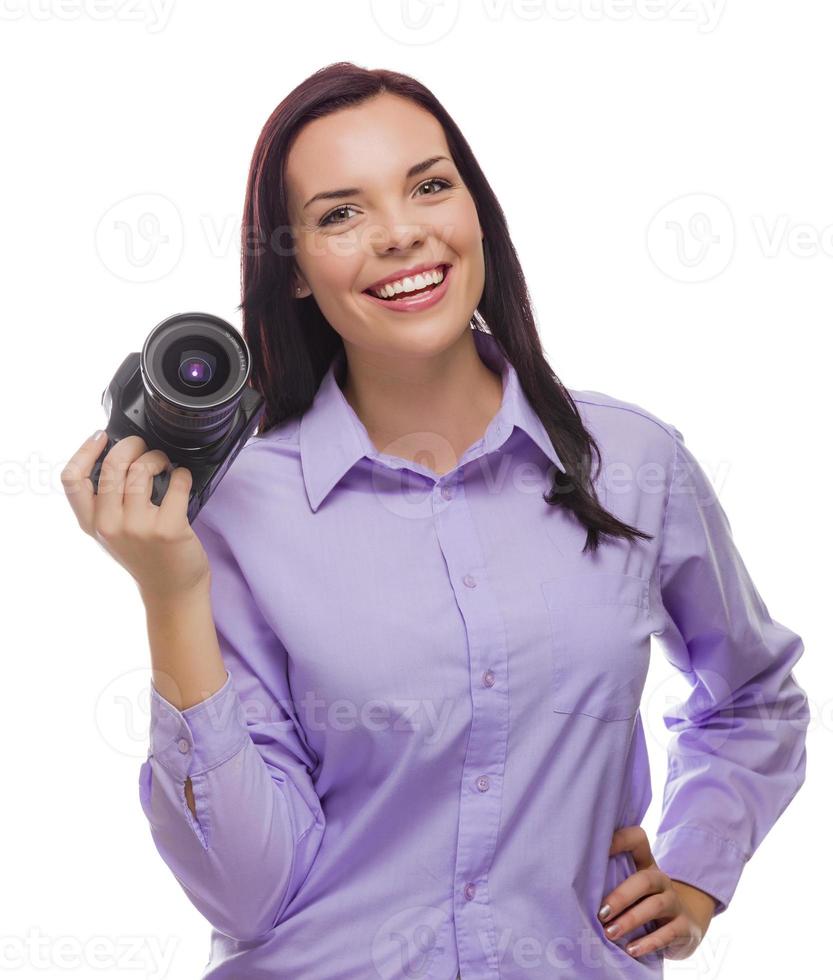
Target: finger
point(657, 906)
point(110, 501)
point(138, 484)
point(671, 937)
point(175, 502)
point(76, 481)
point(635, 840)
point(648, 881)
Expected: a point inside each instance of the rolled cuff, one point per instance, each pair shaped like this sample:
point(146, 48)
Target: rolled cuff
point(700, 858)
point(199, 738)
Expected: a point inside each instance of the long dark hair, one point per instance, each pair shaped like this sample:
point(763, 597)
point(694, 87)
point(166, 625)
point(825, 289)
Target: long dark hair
point(292, 344)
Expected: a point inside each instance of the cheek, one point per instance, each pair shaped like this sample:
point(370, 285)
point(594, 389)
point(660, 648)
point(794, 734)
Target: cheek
point(463, 231)
point(331, 264)
point(465, 240)
point(460, 230)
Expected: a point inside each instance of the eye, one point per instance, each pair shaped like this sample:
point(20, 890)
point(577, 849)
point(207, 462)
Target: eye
point(329, 219)
point(435, 180)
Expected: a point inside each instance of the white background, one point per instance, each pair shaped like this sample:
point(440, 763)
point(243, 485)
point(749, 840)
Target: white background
point(665, 168)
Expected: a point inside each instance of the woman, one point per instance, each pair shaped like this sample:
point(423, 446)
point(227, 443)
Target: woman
point(398, 658)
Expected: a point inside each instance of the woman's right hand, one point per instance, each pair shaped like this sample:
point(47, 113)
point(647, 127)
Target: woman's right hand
point(154, 543)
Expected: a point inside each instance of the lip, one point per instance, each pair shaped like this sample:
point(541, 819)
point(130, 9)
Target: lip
point(423, 302)
point(413, 271)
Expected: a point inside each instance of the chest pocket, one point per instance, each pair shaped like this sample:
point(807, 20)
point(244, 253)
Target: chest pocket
point(599, 642)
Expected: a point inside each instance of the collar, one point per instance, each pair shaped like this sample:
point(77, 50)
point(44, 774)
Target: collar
point(332, 438)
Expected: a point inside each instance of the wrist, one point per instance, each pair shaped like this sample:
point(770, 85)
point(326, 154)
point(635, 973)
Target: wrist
point(701, 904)
point(166, 601)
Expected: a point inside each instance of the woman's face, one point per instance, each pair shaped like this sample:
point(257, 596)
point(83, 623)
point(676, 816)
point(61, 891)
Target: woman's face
point(385, 221)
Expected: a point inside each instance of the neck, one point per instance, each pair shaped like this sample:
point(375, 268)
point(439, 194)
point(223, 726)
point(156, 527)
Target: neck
point(428, 409)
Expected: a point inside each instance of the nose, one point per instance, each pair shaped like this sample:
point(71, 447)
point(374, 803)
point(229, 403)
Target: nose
point(398, 236)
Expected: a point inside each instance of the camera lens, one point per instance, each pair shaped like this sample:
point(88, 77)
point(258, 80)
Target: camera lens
point(194, 367)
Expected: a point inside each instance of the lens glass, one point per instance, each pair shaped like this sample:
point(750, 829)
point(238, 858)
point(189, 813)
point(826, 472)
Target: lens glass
point(194, 365)
point(195, 371)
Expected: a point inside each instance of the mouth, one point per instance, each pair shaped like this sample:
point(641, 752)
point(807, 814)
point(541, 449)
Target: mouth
point(417, 299)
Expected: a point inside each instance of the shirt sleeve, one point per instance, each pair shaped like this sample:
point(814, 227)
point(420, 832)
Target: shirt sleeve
point(736, 754)
point(259, 822)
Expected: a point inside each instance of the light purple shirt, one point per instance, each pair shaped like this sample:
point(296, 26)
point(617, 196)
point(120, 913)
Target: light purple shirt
point(431, 725)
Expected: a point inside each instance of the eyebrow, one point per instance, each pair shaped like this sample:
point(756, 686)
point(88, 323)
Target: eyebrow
point(418, 168)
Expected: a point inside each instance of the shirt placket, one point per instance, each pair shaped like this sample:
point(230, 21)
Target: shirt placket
point(483, 768)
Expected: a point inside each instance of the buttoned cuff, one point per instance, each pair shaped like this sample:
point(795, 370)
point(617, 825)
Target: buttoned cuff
point(700, 858)
point(199, 738)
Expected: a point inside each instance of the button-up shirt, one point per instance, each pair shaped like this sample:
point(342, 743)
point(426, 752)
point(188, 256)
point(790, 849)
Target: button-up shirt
point(431, 723)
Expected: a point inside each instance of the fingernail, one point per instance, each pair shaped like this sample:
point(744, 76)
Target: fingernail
point(633, 949)
point(97, 435)
point(604, 912)
point(612, 929)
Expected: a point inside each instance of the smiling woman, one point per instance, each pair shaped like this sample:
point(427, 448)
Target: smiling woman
point(370, 180)
point(427, 754)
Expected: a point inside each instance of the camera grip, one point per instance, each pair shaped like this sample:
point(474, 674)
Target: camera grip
point(160, 480)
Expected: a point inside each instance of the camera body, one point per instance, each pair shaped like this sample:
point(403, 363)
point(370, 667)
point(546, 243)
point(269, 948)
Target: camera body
point(186, 394)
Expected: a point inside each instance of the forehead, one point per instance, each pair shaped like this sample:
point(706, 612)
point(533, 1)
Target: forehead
point(362, 145)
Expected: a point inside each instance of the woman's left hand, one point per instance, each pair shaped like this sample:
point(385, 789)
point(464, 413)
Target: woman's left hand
point(681, 911)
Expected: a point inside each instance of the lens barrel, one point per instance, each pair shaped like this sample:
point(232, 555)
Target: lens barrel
point(194, 367)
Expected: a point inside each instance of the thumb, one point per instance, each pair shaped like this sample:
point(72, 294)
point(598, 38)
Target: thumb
point(177, 495)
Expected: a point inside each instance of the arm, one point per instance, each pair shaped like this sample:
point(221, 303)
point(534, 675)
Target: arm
point(737, 750)
point(186, 659)
point(245, 846)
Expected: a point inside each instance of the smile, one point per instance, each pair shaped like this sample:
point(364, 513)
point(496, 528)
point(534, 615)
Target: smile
point(416, 300)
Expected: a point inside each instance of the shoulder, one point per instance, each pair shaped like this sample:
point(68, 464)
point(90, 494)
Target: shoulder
point(603, 408)
point(280, 441)
point(265, 474)
point(625, 427)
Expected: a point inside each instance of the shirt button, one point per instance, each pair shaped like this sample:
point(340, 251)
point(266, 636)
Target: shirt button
point(468, 891)
point(447, 493)
point(183, 745)
point(470, 581)
point(483, 783)
point(488, 678)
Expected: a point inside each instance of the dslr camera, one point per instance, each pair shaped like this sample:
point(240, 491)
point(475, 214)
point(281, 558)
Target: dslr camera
point(186, 393)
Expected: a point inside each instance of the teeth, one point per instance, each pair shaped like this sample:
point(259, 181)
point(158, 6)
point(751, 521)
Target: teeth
point(410, 283)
